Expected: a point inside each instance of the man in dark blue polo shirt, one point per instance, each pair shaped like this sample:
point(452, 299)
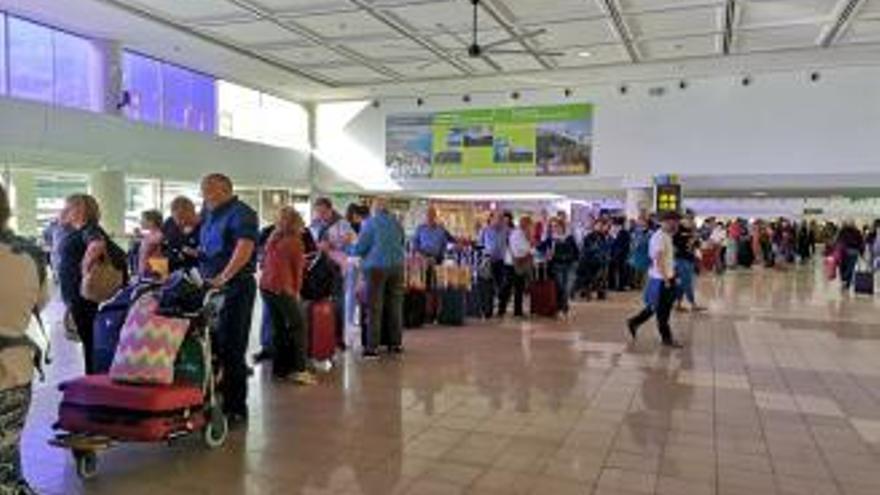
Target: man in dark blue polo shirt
point(227, 260)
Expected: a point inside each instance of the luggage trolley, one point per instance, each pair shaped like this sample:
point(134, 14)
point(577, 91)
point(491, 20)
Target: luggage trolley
point(92, 416)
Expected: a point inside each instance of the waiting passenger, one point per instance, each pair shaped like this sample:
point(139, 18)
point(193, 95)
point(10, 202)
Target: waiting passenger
point(280, 283)
point(850, 244)
point(381, 247)
point(181, 234)
point(333, 234)
point(227, 246)
point(23, 291)
point(150, 247)
point(82, 249)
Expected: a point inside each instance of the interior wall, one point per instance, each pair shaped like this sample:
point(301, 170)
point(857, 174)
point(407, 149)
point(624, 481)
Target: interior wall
point(44, 137)
point(780, 124)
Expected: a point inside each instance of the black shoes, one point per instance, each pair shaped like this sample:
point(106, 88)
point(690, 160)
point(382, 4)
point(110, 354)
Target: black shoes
point(395, 349)
point(371, 354)
point(633, 329)
point(263, 355)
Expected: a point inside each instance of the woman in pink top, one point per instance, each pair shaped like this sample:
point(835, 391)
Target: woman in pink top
point(280, 283)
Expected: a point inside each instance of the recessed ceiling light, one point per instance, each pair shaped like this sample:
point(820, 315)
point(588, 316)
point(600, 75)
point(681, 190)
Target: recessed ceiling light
point(585, 54)
point(759, 194)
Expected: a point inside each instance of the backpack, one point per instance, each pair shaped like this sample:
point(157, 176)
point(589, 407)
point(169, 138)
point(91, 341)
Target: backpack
point(322, 279)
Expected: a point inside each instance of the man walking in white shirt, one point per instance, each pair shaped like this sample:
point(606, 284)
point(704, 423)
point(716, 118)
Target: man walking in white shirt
point(660, 292)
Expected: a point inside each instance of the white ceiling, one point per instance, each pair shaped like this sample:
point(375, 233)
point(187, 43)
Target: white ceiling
point(346, 45)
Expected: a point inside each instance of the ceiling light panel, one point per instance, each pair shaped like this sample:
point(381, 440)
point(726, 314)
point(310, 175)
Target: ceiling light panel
point(530, 11)
point(696, 46)
point(761, 12)
point(345, 25)
point(455, 14)
point(776, 38)
point(190, 9)
point(674, 22)
point(254, 33)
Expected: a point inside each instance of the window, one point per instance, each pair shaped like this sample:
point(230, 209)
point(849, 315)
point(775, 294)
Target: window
point(51, 193)
point(3, 63)
point(171, 190)
point(187, 99)
point(141, 77)
point(77, 66)
point(140, 195)
point(253, 116)
point(30, 61)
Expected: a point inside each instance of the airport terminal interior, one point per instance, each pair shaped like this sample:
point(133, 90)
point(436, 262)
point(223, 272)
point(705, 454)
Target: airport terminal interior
point(430, 247)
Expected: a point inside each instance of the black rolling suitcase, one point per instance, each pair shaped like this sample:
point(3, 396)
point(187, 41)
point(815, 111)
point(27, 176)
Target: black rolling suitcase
point(452, 307)
point(863, 282)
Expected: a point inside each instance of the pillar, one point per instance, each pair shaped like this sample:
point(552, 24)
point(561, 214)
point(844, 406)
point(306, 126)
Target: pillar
point(111, 87)
point(24, 207)
point(108, 187)
point(639, 196)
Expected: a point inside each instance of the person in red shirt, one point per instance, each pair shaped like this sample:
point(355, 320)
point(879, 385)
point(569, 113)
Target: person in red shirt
point(280, 283)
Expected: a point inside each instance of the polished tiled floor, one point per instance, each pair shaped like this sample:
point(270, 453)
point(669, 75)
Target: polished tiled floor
point(777, 392)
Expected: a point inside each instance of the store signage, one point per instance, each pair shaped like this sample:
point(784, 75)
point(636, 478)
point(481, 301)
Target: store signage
point(521, 141)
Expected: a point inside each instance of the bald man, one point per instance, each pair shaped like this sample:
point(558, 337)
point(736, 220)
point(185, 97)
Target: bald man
point(431, 237)
point(227, 260)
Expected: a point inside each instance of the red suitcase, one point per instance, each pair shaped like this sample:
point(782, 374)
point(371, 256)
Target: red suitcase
point(322, 330)
point(542, 293)
point(96, 405)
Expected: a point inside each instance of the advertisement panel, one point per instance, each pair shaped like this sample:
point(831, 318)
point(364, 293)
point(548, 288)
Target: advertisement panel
point(523, 141)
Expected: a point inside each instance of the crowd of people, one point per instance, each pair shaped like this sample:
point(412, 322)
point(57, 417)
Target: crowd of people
point(357, 261)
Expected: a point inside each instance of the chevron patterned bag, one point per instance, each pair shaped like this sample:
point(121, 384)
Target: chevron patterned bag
point(148, 345)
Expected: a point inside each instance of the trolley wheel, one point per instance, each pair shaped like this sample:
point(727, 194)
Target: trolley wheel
point(86, 463)
point(216, 429)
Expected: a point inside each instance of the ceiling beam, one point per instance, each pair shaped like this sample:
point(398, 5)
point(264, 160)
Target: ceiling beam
point(402, 27)
point(177, 26)
point(621, 29)
point(293, 27)
point(500, 13)
point(728, 26)
point(844, 13)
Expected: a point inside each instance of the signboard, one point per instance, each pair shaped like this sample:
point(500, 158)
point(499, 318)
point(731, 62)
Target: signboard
point(667, 198)
point(522, 141)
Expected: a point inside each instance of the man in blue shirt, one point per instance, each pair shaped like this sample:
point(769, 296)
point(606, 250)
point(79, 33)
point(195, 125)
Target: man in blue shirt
point(380, 245)
point(494, 238)
point(431, 238)
point(227, 261)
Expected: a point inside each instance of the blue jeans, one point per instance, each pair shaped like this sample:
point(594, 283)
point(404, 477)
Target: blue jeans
point(562, 276)
point(848, 267)
point(266, 328)
point(684, 269)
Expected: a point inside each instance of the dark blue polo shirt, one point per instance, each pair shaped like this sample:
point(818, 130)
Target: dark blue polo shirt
point(222, 228)
point(174, 242)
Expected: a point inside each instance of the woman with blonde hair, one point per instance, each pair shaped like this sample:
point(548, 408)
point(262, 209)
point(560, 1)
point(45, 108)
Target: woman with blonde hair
point(280, 284)
point(87, 244)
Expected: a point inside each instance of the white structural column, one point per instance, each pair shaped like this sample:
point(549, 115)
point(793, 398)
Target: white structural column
point(639, 195)
point(111, 86)
point(25, 207)
point(638, 200)
point(108, 187)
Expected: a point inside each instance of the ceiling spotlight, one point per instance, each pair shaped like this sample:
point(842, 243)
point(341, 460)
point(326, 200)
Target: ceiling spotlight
point(815, 76)
point(682, 84)
point(466, 98)
point(746, 81)
point(585, 54)
point(420, 101)
point(515, 95)
point(568, 92)
point(623, 89)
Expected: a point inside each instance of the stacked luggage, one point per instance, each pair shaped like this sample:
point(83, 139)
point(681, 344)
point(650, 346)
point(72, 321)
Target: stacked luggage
point(150, 389)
